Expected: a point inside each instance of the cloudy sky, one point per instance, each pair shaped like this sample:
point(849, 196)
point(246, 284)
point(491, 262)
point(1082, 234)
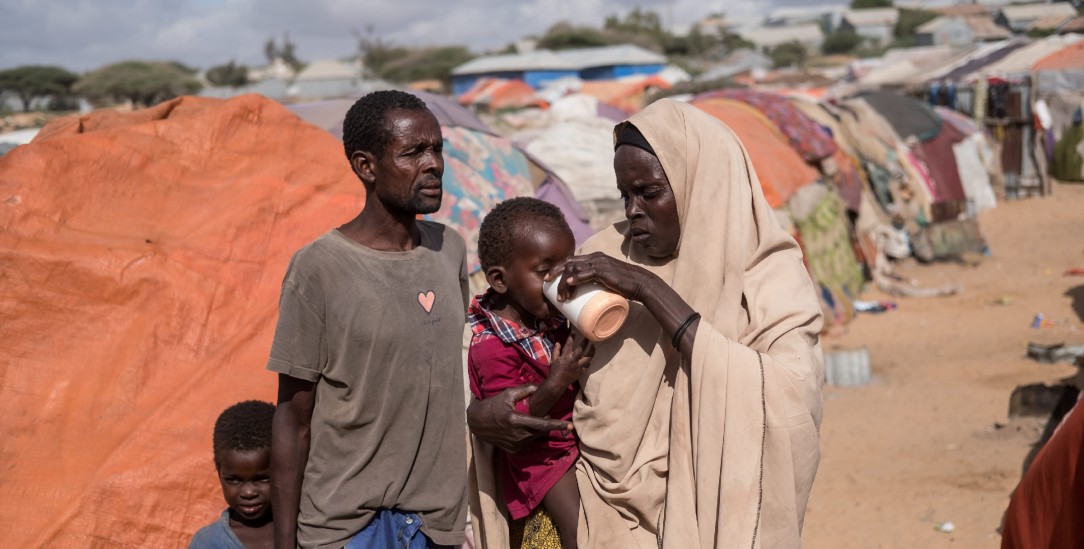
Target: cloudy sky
point(84, 34)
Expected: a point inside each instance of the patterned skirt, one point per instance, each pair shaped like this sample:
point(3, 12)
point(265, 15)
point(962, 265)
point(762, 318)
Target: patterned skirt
point(535, 531)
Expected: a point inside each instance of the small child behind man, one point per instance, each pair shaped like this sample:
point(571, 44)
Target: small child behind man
point(516, 340)
point(242, 450)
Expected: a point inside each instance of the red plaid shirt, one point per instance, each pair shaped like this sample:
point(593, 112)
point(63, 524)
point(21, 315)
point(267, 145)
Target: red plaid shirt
point(504, 354)
point(484, 324)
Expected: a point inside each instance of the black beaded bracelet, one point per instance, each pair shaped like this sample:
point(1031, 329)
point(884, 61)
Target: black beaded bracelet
point(684, 326)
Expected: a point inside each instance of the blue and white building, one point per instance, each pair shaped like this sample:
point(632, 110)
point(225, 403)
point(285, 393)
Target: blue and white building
point(540, 67)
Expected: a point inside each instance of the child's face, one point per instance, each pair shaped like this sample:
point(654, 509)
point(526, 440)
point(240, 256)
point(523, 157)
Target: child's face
point(537, 250)
point(246, 483)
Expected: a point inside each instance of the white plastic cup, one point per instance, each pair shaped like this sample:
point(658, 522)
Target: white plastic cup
point(596, 312)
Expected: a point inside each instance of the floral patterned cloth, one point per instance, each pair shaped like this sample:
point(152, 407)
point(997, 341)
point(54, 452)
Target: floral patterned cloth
point(480, 170)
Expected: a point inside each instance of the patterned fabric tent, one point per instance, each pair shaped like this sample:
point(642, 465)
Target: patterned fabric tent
point(780, 169)
point(808, 138)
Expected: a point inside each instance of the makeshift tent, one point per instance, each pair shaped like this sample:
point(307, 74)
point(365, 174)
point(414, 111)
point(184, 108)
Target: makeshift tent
point(143, 255)
point(1068, 164)
point(805, 136)
point(580, 151)
point(581, 105)
point(780, 169)
point(628, 94)
point(1063, 69)
point(825, 237)
point(497, 94)
point(480, 170)
point(977, 160)
point(907, 116)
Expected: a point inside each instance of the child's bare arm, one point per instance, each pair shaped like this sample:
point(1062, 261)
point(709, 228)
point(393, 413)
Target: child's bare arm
point(290, 434)
point(565, 368)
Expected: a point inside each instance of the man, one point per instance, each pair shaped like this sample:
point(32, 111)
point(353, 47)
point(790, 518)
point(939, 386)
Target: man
point(368, 444)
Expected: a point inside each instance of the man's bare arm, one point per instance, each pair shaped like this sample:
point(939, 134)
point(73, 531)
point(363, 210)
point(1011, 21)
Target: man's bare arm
point(290, 434)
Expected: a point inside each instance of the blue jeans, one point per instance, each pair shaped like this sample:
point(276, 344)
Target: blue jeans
point(393, 529)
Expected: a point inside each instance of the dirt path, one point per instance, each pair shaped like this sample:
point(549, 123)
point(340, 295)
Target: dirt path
point(929, 440)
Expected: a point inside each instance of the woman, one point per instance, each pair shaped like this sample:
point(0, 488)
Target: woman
point(698, 422)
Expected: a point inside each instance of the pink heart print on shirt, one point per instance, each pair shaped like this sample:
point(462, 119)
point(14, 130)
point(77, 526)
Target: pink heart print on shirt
point(426, 299)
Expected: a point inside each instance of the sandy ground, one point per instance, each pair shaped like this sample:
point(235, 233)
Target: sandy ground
point(929, 440)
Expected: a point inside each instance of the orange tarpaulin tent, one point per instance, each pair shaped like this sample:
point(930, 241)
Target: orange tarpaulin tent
point(780, 169)
point(627, 94)
point(141, 257)
point(1069, 57)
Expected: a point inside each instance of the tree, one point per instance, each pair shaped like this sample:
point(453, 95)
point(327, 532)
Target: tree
point(426, 63)
point(286, 52)
point(734, 42)
point(230, 74)
point(144, 83)
point(840, 42)
point(30, 81)
point(788, 54)
point(908, 23)
point(866, 4)
point(375, 52)
point(566, 36)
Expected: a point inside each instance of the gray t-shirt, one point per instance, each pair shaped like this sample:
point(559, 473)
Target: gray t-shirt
point(380, 333)
point(217, 535)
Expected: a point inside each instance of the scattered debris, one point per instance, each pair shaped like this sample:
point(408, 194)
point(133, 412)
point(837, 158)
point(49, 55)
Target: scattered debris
point(1058, 352)
point(847, 368)
point(1037, 322)
point(873, 306)
point(1002, 300)
point(946, 527)
point(1040, 400)
point(1074, 271)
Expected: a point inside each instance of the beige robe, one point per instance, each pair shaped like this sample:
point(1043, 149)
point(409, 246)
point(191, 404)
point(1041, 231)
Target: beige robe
point(719, 451)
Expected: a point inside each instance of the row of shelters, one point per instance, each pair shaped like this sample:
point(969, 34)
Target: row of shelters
point(321, 79)
point(537, 68)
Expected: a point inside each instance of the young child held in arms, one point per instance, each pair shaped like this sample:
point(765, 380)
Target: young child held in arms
point(517, 337)
point(242, 447)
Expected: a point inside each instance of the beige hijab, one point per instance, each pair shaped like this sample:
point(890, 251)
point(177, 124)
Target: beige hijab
point(720, 451)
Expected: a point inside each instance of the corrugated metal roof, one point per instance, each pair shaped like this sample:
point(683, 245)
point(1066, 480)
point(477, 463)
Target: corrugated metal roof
point(573, 60)
point(1049, 22)
point(1035, 11)
point(773, 36)
point(328, 69)
point(871, 17)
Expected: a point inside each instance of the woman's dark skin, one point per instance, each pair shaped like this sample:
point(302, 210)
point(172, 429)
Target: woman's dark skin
point(651, 209)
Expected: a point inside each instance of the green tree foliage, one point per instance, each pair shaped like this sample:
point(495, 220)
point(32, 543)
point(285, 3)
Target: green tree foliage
point(425, 63)
point(376, 53)
point(734, 42)
point(909, 22)
point(866, 4)
point(840, 42)
point(230, 74)
point(144, 83)
point(30, 81)
point(789, 54)
point(287, 52)
point(563, 36)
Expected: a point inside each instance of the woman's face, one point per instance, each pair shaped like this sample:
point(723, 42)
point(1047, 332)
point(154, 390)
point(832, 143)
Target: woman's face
point(650, 206)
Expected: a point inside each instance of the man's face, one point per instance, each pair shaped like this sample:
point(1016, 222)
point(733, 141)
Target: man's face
point(407, 178)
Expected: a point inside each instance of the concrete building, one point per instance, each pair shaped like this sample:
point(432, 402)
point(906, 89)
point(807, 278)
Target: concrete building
point(828, 16)
point(959, 31)
point(876, 25)
point(1019, 18)
point(809, 35)
point(327, 78)
point(540, 67)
